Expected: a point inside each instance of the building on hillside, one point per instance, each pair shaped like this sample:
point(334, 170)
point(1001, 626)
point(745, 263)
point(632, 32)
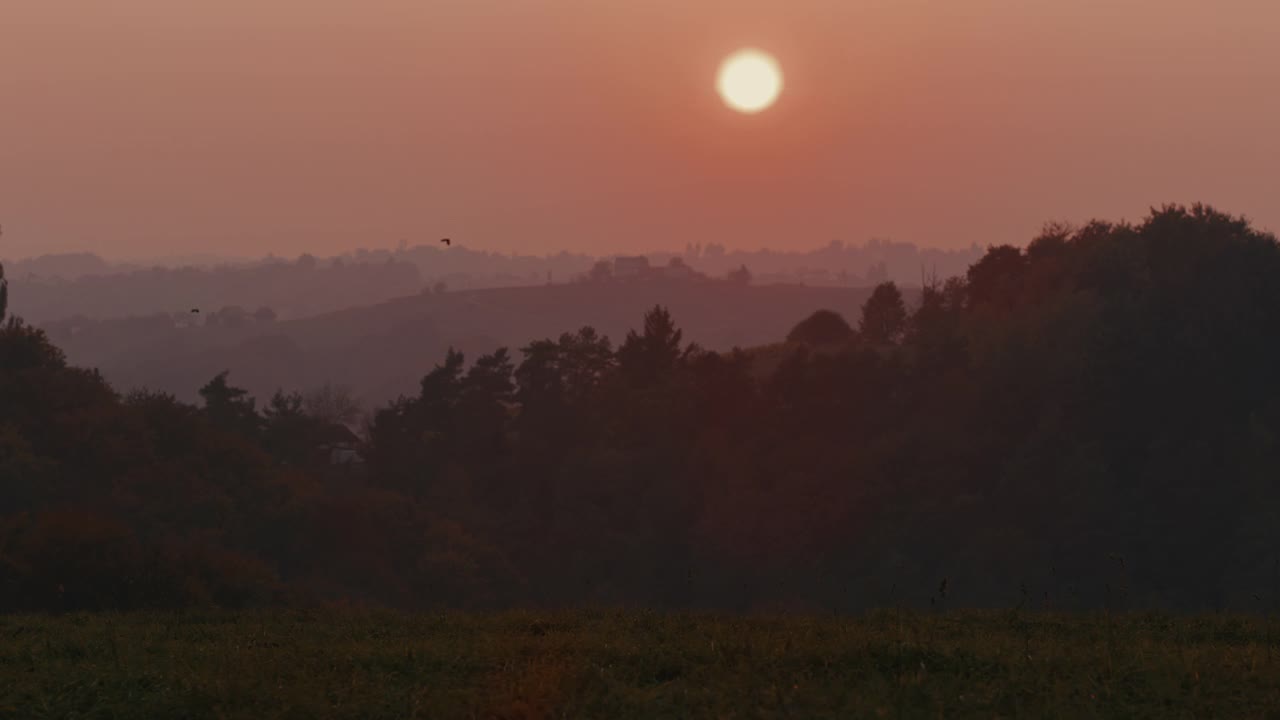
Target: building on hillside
point(630, 267)
point(339, 446)
point(677, 269)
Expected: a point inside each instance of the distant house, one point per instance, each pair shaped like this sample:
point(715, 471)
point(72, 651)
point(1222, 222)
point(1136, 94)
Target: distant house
point(630, 267)
point(676, 269)
point(339, 446)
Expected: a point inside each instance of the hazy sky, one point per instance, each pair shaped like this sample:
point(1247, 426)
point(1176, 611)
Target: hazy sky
point(158, 127)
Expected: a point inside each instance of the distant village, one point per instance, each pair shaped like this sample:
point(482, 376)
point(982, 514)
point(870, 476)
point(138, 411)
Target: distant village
point(637, 267)
point(630, 268)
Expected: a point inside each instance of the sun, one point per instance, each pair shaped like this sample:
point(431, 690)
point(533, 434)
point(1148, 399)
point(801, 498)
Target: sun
point(749, 80)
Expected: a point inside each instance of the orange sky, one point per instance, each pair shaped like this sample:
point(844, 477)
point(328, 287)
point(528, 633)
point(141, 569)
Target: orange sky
point(155, 127)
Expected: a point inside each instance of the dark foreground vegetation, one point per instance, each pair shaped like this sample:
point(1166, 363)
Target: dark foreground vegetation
point(601, 664)
point(1091, 422)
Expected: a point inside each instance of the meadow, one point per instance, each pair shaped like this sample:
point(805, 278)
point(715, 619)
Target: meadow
point(636, 664)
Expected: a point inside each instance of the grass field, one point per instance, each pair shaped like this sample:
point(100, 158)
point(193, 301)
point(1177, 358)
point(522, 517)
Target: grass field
point(350, 664)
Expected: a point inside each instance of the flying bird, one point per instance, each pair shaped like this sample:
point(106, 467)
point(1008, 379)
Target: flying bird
point(446, 241)
point(195, 310)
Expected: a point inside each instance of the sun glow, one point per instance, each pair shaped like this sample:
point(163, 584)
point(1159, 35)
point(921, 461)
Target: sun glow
point(749, 80)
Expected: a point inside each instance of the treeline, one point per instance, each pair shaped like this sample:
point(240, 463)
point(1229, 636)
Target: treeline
point(1090, 422)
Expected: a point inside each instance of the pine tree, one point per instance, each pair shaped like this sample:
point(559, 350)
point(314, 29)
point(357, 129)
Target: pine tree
point(884, 316)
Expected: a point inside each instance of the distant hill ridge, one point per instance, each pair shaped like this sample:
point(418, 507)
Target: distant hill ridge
point(56, 287)
point(382, 350)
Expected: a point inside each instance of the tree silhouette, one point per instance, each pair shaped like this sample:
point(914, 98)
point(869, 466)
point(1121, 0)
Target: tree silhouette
point(491, 376)
point(413, 439)
point(230, 408)
point(291, 432)
point(23, 347)
point(556, 382)
point(884, 315)
point(440, 388)
point(994, 280)
point(647, 357)
point(824, 327)
point(4, 293)
point(586, 358)
point(333, 404)
point(283, 406)
point(484, 403)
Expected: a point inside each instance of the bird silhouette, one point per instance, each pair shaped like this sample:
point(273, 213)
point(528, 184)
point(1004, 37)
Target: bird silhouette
point(195, 310)
point(446, 241)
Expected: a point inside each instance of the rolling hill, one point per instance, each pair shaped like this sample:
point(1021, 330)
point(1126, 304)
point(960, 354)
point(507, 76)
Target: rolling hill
point(382, 350)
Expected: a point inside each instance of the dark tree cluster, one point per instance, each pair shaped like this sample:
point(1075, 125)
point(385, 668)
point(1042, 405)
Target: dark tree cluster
point(1089, 422)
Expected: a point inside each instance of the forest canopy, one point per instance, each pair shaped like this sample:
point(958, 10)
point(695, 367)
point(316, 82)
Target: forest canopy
point(1091, 421)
